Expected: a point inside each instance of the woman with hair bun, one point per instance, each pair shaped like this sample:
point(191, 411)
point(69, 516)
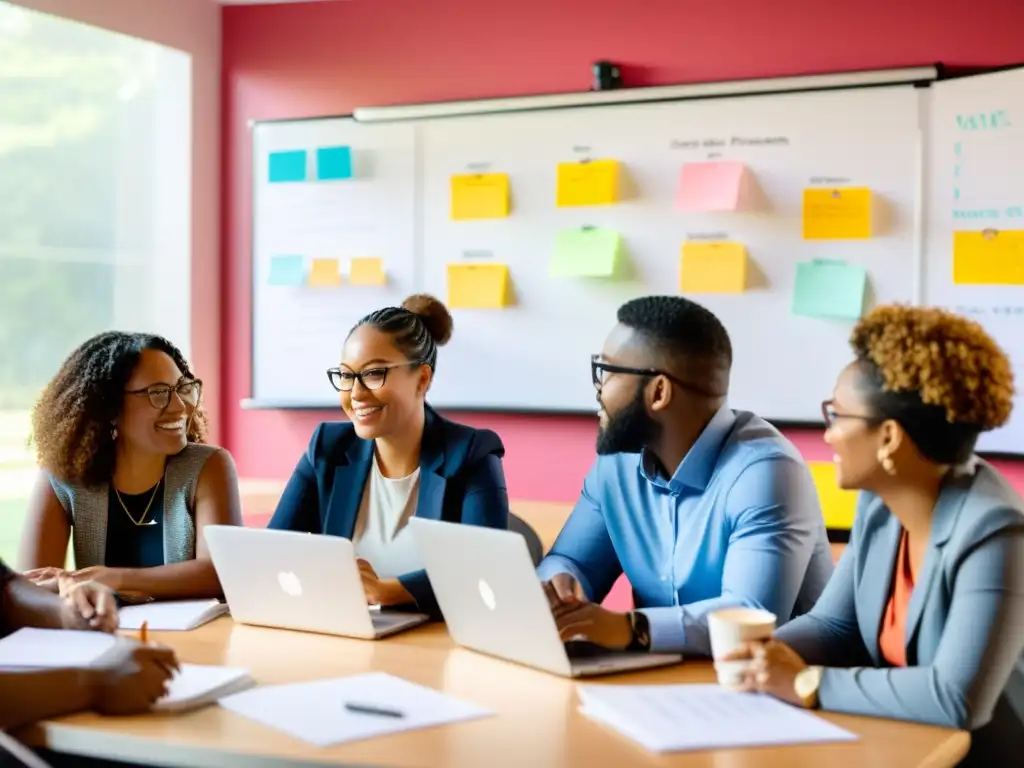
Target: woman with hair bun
point(395, 458)
point(924, 617)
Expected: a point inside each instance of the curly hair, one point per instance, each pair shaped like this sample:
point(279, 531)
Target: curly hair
point(940, 375)
point(71, 420)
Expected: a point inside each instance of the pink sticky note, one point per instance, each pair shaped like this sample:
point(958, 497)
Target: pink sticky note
point(712, 186)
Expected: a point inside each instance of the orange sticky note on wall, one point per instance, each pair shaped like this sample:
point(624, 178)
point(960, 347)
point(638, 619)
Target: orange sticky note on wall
point(323, 273)
point(713, 267)
point(837, 214)
point(989, 257)
point(478, 286)
point(366, 271)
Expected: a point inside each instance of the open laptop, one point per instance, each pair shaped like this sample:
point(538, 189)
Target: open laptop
point(492, 601)
point(298, 581)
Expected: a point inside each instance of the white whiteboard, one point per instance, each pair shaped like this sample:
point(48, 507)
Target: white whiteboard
point(976, 181)
point(535, 356)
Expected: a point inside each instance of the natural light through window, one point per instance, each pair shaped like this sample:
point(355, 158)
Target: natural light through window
point(95, 180)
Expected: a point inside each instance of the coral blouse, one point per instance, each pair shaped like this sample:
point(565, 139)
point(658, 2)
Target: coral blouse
point(892, 637)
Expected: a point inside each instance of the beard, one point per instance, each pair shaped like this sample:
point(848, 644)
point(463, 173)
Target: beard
point(628, 431)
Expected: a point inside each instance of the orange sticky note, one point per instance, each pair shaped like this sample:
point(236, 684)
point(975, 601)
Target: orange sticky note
point(711, 186)
point(837, 214)
point(323, 273)
point(989, 257)
point(713, 267)
point(478, 286)
point(837, 506)
point(366, 271)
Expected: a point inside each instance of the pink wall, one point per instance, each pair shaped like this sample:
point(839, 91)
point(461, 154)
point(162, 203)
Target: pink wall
point(327, 58)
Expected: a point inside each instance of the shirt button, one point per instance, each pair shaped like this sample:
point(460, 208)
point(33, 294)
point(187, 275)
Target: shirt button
point(664, 578)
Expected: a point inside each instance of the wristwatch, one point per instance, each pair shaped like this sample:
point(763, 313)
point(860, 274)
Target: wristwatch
point(641, 628)
point(806, 685)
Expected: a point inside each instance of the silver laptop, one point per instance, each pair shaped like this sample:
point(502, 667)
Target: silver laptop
point(492, 601)
point(298, 581)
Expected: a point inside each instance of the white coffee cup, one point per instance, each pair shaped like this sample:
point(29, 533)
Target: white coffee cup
point(729, 629)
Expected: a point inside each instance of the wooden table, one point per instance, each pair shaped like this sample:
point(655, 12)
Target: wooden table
point(537, 723)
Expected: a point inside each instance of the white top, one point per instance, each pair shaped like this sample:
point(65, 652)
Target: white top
point(380, 535)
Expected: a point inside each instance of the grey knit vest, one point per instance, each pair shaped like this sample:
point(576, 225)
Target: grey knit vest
point(87, 509)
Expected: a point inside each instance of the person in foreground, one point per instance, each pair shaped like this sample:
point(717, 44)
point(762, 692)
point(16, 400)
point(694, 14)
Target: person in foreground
point(119, 433)
point(924, 618)
point(701, 506)
point(129, 679)
point(396, 458)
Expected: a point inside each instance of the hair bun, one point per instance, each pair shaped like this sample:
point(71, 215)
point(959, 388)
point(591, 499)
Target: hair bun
point(434, 314)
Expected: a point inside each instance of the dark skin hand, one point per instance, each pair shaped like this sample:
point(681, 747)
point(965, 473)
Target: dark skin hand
point(576, 616)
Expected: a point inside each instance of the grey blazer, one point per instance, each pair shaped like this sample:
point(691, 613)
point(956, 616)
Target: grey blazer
point(965, 626)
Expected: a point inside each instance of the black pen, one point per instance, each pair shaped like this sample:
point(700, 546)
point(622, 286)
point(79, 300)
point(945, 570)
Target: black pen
point(372, 709)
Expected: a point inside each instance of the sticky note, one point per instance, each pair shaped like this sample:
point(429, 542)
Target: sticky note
point(479, 196)
point(592, 182)
point(843, 213)
point(989, 257)
point(366, 271)
point(333, 163)
point(287, 270)
point(827, 288)
point(713, 267)
point(838, 506)
point(478, 286)
point(323, 273)
point(287, 166)
point(712, 186)
point(585, 252)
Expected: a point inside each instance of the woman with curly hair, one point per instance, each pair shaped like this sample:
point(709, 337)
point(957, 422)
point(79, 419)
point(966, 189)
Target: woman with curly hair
point(119, 437)
point(924, 617)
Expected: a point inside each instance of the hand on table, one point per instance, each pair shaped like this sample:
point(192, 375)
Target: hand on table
point(773, 669)
point(130, 677)
point(46, 578)
point(89, 605)
point(100, 574)
point(379, 591)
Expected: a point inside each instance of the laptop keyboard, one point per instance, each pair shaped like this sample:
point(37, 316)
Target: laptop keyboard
point(580, 650)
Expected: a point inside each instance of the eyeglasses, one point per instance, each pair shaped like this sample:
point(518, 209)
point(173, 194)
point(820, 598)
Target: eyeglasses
point(371, 378)
point(830, 414)
point(189, 391)
point(599, 368)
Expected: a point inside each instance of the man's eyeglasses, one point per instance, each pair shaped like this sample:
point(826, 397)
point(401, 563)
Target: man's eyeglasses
point(830, 414)
point(598, 369)
point(344, 380)
point(190, 391)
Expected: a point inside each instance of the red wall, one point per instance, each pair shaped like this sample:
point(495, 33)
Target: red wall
point(326, 58)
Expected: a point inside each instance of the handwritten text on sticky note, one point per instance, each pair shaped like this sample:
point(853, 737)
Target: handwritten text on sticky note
point(711, 186)
point(478, 286)
point(366, 271)
point(827, 288)
point(989, 257)
point(594, 182)
point(843, 213)
point(479, 196)
point(713, 267)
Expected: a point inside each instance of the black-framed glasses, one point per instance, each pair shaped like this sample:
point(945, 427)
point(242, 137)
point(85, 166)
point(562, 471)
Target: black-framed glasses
point(344, 380)
point(830, 414)
point(598, 368)
point(189, 391)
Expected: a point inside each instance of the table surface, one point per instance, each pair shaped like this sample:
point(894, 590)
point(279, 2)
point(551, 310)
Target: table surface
point(537, 722)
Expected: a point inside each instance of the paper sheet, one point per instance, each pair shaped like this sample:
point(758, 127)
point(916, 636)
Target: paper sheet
point(843, 213)
point(594, 182)
point(713, 267)
point(837, 505)
point(196, 685)
point(676, 718)
point(827, 288)
point(323, 273)
point(287, 271)
point(334, 163)
point(711, 186)
point(170, 616)
point(366, 271)
point(989, 257)
point(287, 166)
point(53, 648)
point(586, 252)
point(478, 286)
point(479, 196)
point(315, 712)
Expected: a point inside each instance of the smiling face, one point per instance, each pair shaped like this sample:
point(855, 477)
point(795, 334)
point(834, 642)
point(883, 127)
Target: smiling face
point(159, 403)
point(855, 433)
point(389, 390)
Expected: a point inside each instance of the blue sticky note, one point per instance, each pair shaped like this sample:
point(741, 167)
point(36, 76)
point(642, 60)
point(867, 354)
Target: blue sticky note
point(287, 270)
point(287, 166)
point(827, 288)
point(333, 163)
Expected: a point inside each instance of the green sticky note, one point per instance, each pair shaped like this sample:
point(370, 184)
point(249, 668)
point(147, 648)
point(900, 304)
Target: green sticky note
point(829, 289)
point(586, 252)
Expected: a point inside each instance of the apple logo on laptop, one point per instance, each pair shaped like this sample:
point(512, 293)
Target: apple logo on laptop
point(289, 583)
point(487, 595)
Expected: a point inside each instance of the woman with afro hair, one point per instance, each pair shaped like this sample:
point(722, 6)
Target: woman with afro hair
point(924, 617)
point(125, 474)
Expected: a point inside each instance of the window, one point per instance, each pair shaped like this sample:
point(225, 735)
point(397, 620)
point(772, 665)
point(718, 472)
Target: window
point(95, 187)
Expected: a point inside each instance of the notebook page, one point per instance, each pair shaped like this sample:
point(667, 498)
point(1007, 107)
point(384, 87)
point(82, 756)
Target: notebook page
point(170, 616)
point(53, 648)
point(197, 684)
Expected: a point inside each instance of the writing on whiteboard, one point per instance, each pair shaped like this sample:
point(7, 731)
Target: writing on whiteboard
point(984, 121)
point(707, 235)
point(1012, 212)
point(476, 254)
point(731, 141)
point(829, 180)
point(478, 167)
point(1002, 311)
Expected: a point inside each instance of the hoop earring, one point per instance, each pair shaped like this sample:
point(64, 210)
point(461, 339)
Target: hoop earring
point(887, 463)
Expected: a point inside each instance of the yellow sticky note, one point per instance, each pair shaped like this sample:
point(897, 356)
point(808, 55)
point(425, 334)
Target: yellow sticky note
point(366, 271)
point(323, 273)
point(838, 506)
point(478, 286)
point(480, 196)
point(989, 257)
point(713, 267)
point(842, 213)
point(593, 182)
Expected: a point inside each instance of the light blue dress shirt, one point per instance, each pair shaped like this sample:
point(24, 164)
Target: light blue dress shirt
point(738, 524)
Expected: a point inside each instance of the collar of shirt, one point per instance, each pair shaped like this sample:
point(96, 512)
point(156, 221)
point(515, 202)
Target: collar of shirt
point(697, 467)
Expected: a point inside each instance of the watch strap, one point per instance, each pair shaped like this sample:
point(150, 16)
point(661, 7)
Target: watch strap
point(641, 627)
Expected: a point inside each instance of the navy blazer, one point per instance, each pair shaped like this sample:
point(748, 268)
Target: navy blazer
point(461, 481)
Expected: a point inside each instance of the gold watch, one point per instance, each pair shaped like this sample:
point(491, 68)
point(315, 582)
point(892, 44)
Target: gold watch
point(806, 685)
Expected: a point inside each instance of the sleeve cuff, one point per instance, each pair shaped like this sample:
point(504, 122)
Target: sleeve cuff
point(554, 564)
point(667, 632)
